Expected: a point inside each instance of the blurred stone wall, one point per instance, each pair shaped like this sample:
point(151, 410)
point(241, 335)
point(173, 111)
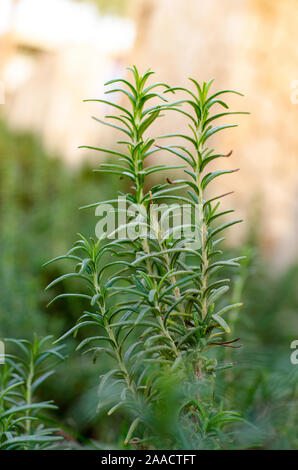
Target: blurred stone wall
point(250, 46)
point(50, 101)
point(51, 62)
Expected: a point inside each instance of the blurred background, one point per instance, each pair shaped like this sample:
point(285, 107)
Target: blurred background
point(54, 54)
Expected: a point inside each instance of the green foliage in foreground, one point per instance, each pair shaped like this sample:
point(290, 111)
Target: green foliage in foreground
point(22, 420)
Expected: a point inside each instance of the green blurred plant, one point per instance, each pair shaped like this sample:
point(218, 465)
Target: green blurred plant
point(264, 384)
point(37, 194)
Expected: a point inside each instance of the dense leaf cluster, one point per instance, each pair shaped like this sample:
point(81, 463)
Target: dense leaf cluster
point(158, 304)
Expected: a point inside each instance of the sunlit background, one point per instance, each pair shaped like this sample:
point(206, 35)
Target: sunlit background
point(56, 53)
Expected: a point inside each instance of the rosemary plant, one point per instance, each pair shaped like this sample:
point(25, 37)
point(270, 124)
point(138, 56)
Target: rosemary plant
point(155, 298)
point(22, 423)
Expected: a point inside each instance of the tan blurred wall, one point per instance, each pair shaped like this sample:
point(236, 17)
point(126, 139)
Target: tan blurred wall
point(50, 101)
point(47, 69)
point(251, 46)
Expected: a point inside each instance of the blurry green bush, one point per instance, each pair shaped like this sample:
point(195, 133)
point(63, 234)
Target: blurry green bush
point(37, 196)
point(264, 385)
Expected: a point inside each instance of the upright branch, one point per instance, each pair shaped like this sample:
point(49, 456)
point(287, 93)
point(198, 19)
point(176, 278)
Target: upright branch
point(201, 124)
